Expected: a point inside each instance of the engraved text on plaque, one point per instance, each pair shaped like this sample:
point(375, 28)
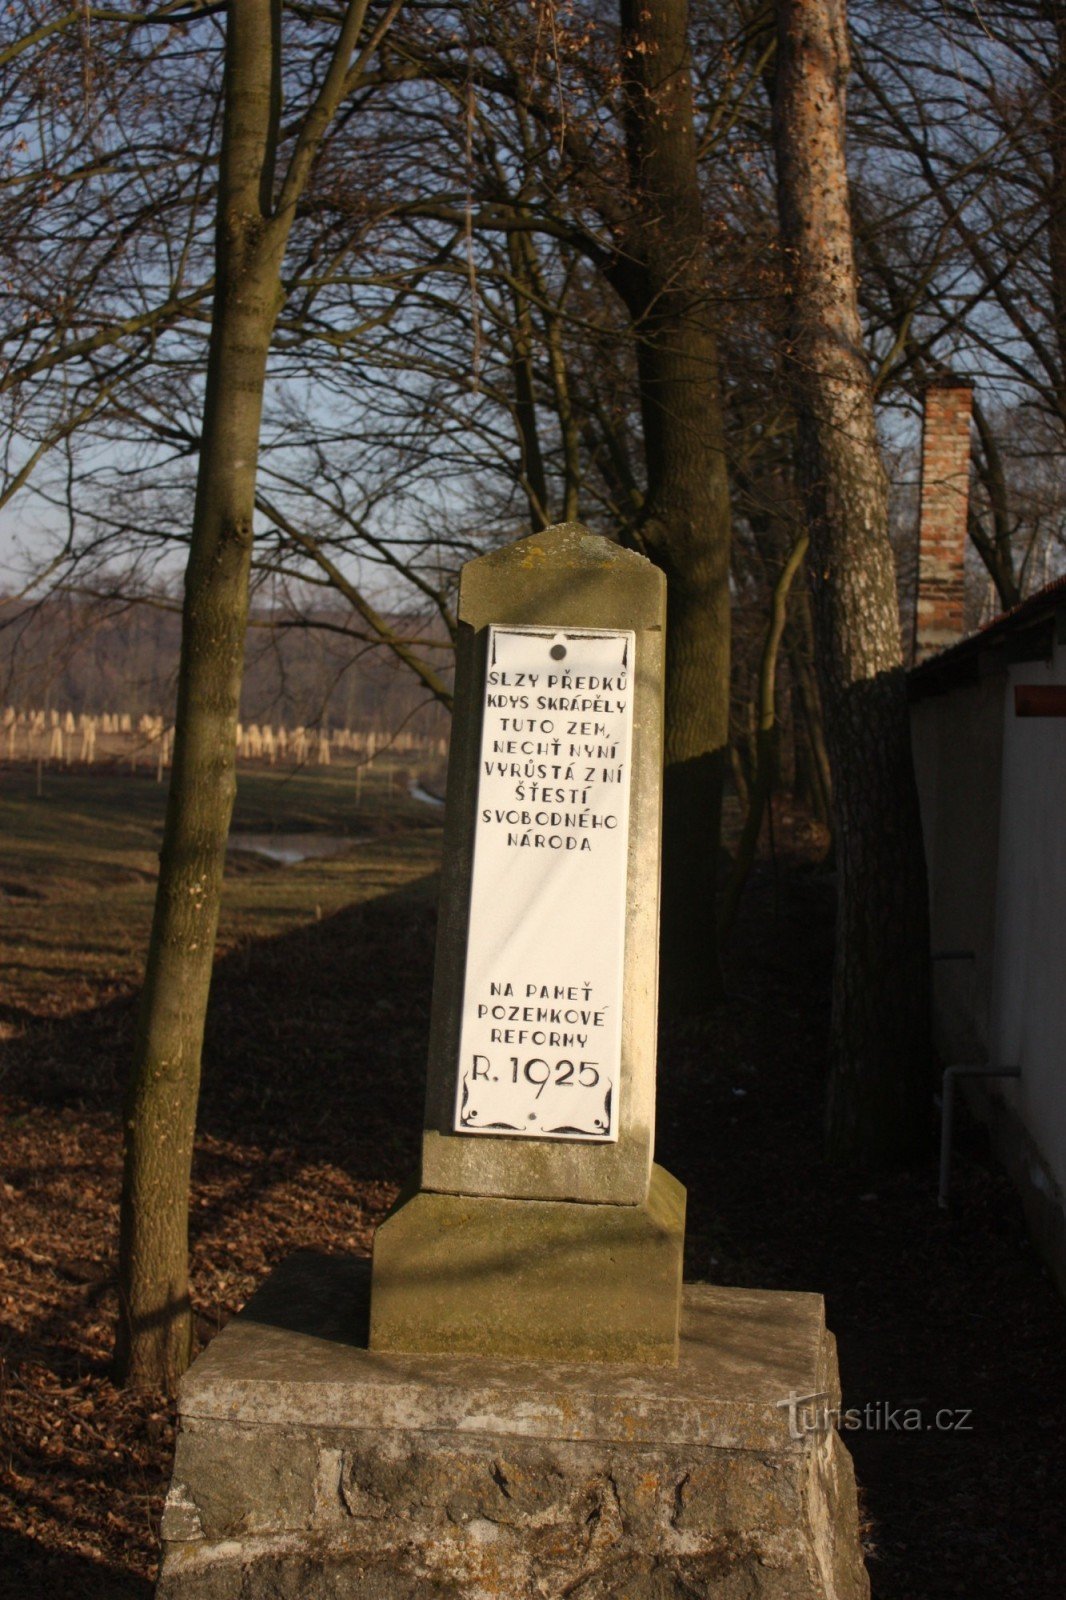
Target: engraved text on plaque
point(541, 1040)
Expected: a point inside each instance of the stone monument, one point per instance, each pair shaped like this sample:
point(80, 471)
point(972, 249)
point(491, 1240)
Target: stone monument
point(522, 1403)
point(539, 1227)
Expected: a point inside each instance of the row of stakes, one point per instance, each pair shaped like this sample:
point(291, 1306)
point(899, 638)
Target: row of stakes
point(62, 739)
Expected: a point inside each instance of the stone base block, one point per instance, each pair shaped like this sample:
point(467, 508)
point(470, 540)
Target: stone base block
point(309, 1468)
point(531, 1280)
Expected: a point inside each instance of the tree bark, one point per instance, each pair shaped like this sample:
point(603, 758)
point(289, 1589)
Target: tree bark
point(812, 760)
point(685, 521)
point(154, 1334)
point(766, 749)
point(155, 1327)
point(531, 461)
point(1057, 197)
point(880, 1052)
point(996, 551)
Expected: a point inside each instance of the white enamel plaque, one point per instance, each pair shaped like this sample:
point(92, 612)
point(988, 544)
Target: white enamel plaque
point(541, 1039)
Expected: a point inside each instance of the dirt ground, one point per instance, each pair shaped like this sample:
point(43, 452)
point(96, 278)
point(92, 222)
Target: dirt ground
point(312, 1089)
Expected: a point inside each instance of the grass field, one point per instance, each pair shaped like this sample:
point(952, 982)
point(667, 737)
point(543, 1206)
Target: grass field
point(309, 1121)
point(78, 869)
point(311, 1047)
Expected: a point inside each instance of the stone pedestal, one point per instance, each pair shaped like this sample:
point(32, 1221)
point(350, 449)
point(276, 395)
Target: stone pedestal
point(309, 1467)
point(542, 1280)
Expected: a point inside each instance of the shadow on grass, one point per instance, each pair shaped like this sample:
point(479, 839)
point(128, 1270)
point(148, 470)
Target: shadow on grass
point(314, 1060)
point(316, 1046)
point(316, 1040)
point(28, 1571)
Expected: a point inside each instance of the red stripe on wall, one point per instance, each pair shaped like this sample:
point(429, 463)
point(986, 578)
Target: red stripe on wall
point(1040, 700)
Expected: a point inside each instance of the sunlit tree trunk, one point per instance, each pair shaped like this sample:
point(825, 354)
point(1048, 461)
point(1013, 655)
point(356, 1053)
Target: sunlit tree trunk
point(685, 524)
point(154, 1335)
point(880, 1042)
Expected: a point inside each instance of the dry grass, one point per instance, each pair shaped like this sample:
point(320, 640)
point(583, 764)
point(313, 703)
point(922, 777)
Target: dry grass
point(298, 1143)
point(313, 1076)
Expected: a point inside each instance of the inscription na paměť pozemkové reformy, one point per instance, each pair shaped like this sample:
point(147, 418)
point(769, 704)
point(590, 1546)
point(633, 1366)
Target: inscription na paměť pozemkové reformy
point(541, 1043)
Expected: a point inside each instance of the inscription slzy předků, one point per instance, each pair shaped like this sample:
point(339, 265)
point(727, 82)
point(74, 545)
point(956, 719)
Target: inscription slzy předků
point(541, 1039)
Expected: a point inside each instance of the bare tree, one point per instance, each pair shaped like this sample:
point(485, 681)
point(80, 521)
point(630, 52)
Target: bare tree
point(258, 194)
point(880, 1040)
point(606, 165)
point(567, 256)
point(960, 132)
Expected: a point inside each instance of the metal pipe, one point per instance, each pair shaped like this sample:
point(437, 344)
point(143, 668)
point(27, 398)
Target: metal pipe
point(947, 1115)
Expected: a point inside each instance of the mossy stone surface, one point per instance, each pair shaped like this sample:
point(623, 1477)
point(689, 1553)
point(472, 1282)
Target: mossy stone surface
point(313, 1468)
point(540, 1280)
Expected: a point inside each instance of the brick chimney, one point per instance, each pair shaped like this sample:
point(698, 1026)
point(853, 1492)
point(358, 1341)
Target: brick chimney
point(938, 620)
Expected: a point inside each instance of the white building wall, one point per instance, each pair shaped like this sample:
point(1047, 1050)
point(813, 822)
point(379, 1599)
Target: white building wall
point(1029, 969)
point(957, 739)
point(992, 788)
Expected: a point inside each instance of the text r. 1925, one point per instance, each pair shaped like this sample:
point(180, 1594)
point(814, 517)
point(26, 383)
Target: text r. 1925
point(561, 1074)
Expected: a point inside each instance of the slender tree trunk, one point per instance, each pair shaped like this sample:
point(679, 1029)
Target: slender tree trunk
point(740, 777)
point(531, 462)
point(154, 1334)
point(766, 749)
point(1056, 121)
point(806, 791)
point(155, 1326)
point(685, 524)
point(880, 1042)
point(812, 763)
point(996, 551)
point(801, 657)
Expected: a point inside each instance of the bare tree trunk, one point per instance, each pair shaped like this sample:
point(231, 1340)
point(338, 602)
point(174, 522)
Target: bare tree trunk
point(154, 1335)
point(996, 550)
point(880, 1041)
point(801, 658)
point(1057, 198)
point(685, 525)
point(569, 432)
point(812, 762)
point(534, 481)
point(766, 756)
